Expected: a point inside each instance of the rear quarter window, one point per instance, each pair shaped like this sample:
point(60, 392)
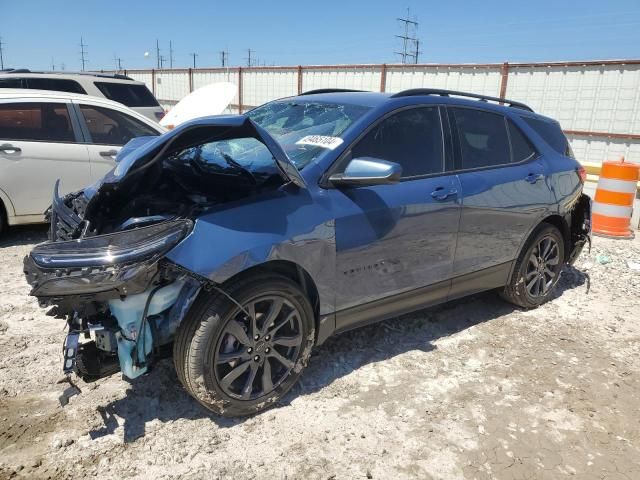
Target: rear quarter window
point(552, 134)
point(131, 95)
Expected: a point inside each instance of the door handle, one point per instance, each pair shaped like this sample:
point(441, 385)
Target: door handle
point(440, 194)
point(109, 153)
point(8, 148)
point(534, 177)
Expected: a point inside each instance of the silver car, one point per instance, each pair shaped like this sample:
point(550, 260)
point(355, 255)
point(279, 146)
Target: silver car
point(116, 87)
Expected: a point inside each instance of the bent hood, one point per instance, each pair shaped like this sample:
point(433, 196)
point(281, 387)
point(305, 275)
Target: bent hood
point(141, 152)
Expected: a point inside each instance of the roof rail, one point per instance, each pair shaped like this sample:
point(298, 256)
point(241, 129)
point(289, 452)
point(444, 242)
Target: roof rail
point(329, 90)
point(119, 76)
point(446, 93)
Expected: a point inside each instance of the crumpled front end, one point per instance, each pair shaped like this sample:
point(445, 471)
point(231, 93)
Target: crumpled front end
point(122, 300)
point(104, 269)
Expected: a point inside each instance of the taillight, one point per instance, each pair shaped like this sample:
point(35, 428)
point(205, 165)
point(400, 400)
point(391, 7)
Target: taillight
point(582, 173)
point(159, 115)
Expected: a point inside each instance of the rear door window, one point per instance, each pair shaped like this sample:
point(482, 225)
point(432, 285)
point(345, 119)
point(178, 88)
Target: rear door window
point(55, 84)
point(129, 94)
point(412, 138)
point(482, 137)
point(110, 127)
point(550, 133)
point(39, 122)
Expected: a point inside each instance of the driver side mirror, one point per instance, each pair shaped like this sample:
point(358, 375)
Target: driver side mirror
point(366, 171)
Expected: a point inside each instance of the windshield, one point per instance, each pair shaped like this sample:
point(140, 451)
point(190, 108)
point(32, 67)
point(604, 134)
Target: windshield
point(304, 130)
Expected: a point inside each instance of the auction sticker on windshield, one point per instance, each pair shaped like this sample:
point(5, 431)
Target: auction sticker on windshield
point(321, 141)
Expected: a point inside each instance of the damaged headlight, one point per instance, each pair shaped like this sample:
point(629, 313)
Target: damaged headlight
point(113, 249)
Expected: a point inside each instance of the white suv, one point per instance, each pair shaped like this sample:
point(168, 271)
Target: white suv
point(45, 136)
point(116, 87)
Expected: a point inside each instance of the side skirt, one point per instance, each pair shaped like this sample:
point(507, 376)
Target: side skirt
point(389, 307)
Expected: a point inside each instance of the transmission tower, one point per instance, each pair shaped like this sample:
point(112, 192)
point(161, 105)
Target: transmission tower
point(250, 62)
point(409, 39)
point(224, 58)
point(83, 53)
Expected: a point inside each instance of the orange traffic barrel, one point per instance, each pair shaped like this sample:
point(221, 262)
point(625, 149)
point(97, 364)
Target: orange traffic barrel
point(613, 203)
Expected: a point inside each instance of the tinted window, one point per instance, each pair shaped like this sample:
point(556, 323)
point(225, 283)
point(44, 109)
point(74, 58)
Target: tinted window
point(521, 148)
point(412, 138)
point(483, 138)
point(129, 94)
point(550, 133)
point(110, 127)
point(43, 122)
point(11, 83)
point(55, 84)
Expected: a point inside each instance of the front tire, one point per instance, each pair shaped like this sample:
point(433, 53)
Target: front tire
point(537, 269)
point(240, 359)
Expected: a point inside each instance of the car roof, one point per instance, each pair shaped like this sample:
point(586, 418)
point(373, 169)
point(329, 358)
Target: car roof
point(78, 76)
point(26, 93)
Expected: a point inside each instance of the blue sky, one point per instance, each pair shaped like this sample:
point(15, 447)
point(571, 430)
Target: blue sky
point(36, 33)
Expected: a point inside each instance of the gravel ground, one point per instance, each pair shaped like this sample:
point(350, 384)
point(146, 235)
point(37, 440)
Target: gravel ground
point(473, 389)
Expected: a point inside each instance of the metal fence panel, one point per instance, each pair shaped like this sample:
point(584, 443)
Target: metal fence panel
point(354, 78)
point(586, 98)
point(483, 80)
point(263, 85)
point(205, 77)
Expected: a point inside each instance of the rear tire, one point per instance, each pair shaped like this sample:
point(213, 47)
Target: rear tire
point(537, 269)
point(235, 366)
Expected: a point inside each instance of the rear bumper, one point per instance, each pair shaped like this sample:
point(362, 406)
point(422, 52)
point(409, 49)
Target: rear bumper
point(580, 227)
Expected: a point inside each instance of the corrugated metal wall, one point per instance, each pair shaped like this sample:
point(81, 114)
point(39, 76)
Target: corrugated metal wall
point(597, 103)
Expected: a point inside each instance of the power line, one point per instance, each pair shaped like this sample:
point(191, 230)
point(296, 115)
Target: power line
point(408, 40)
point(194, 55)
point(83, 52)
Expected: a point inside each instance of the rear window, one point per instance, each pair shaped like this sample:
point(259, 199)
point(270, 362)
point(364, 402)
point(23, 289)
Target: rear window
point(550, 133)
point(39, 122)
point(131, 95)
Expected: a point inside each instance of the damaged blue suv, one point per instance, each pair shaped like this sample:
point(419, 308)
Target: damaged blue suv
point(244, 241)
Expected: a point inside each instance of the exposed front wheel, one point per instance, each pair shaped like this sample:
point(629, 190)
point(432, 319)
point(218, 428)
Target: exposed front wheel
point(537, 269)
point(238, 359)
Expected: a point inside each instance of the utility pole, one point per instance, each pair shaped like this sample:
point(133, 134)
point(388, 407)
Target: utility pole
point(158, 53)
point(224, 58)
point(118, 63)
point(249, 63)
point(170, 54)
point(83, 52)
point(194, 55)
point(417, 51)
point(1, 57)
point(53, 65)
point(406, 38)
point(161, 60)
